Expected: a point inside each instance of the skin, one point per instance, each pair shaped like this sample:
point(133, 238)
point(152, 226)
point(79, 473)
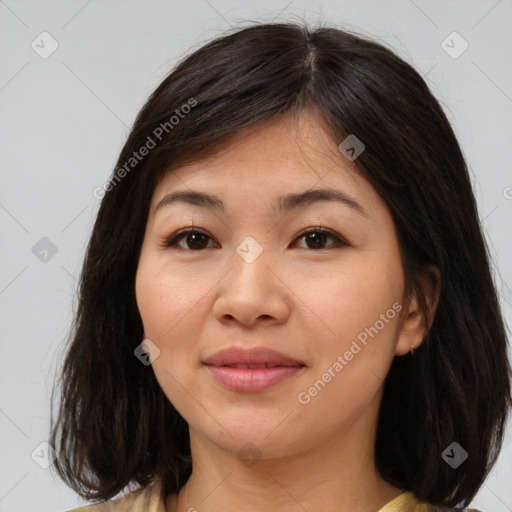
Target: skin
point(306, 302)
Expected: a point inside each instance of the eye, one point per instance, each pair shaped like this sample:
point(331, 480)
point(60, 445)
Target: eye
point(316, 237)
point(195, 240)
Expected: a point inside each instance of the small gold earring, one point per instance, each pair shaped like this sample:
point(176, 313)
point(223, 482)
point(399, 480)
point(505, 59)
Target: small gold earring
point(412, 349)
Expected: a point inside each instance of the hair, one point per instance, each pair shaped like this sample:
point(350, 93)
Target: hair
point(115, 428)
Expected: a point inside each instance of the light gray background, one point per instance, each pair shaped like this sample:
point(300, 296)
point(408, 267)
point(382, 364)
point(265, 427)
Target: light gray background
point(64, 120)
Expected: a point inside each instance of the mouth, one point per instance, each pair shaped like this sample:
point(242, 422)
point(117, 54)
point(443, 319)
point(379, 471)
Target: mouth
point(255, 357)
point(258, 366)
point(252, 378)
point(251, 370)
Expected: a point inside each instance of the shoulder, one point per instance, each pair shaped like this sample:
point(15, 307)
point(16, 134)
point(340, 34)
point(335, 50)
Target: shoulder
point(407, 502)
point(148, 499)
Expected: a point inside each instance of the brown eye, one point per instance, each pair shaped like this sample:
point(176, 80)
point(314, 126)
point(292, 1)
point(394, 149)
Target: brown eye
point(317, 238)
point(194, 240)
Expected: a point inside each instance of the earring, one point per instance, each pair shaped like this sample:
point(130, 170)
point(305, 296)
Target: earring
point(412, 350)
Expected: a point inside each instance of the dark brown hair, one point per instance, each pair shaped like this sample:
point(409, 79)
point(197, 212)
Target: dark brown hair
point(115, 427)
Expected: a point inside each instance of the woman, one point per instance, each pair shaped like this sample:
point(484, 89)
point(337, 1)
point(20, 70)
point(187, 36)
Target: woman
point(286, 301)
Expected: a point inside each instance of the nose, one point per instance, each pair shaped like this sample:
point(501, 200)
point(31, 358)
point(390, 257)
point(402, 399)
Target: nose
point(253, 291)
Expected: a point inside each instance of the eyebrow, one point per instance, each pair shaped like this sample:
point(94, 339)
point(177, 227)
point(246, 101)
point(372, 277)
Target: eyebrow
point(284, 204)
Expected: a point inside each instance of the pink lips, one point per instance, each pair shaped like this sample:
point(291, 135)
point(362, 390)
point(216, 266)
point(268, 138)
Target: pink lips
point(251, 370)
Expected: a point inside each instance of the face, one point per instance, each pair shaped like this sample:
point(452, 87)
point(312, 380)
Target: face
point(318, 280)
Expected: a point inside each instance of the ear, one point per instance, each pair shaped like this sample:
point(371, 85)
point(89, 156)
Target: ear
point(414, 324)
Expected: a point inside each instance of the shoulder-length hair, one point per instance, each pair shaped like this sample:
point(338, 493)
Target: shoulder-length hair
point(115, 428)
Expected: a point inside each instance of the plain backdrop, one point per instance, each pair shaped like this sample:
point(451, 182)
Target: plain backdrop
point(65, 116)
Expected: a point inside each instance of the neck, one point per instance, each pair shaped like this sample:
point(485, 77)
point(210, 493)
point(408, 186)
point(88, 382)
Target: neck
point(338, 475)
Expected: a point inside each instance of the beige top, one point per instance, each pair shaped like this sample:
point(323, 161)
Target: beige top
point(151, 499)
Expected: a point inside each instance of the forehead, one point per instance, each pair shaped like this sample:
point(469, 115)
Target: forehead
point(293, 151)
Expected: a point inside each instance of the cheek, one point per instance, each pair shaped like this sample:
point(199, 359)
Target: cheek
point(166, 298)
point(358, 311)
point(355, 347)
point(346, 303)
point(169, 306)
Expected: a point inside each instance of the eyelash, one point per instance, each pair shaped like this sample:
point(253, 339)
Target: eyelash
point(172, 241)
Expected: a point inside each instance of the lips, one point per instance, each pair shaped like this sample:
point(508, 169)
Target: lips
point(251, 366)
point(251, 370)
point(257, 357)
